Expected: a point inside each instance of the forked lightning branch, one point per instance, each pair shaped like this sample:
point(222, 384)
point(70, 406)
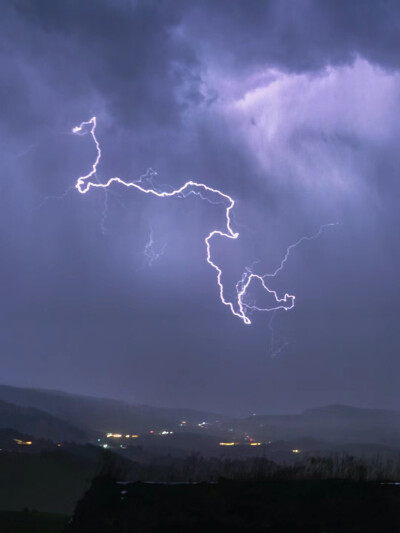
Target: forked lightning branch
point(241, 307)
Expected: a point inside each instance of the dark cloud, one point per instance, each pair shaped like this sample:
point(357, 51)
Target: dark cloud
point(297, 36)
point(145, 60)
point(120, 53)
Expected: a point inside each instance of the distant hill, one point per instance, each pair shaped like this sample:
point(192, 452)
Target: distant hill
point(334, 424)
point(39, 424)
point(103, 415)
point(59, 415)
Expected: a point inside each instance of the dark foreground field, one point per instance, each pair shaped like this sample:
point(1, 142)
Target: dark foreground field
point(266, 506)
point(31, 522)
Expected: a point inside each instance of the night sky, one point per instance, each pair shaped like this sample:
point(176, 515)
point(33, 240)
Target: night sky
point(290, 107)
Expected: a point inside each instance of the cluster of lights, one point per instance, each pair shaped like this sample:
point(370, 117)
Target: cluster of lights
point(23, 442)
point(248, 441)
point(238, 443)
point(119, 436)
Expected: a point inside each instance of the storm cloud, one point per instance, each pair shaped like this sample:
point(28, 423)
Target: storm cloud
point(292, 108)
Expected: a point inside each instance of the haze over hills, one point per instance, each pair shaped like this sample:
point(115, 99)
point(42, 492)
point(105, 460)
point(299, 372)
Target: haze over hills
point(101, 414)
point(335, 424)
point(40, 424)
point(63, 416)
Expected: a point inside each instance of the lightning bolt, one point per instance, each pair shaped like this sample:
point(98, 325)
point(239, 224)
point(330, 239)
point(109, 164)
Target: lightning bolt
point(54, 197)
point(150, 251)
point(248, 275)
point(145, 185)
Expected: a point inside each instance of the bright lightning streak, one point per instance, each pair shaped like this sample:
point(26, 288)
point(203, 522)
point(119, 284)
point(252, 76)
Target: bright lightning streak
point(248, 275)
point(290, 248)
point(238, 308)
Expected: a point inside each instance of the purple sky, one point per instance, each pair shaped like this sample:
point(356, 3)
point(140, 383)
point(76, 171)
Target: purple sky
point(290, 107)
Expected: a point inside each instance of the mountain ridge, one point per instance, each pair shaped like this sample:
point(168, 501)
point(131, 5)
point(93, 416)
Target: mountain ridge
point(335, 423)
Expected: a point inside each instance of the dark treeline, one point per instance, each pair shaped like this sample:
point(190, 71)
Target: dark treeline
point(333, 494)
point(259, 506)
point(196, 468)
